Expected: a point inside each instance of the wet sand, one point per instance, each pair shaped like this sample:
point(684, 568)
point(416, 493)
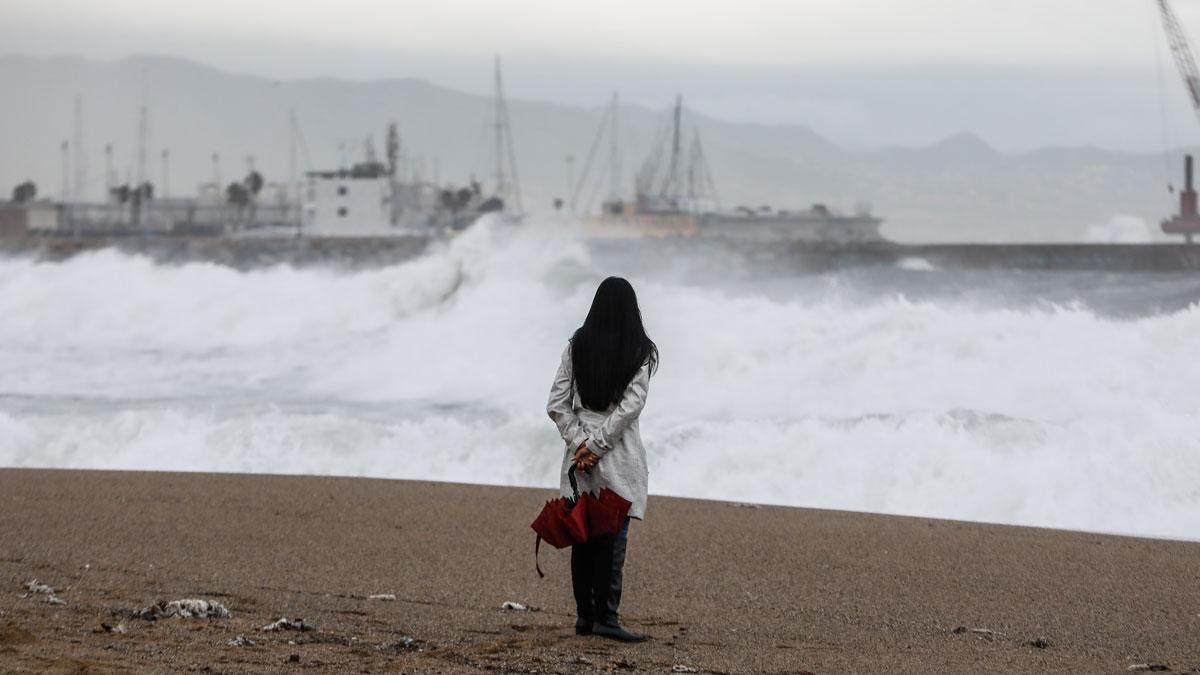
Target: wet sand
point(718, 587)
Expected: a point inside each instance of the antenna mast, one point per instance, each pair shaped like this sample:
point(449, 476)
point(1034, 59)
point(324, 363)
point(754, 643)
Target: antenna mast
point(166, 173)
point(141, 150)
point(66, 170)
point(77, 140)
point(110, 174)
point(139, 196)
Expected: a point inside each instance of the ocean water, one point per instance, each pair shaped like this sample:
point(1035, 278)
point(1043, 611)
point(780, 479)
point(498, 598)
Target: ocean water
point(1060, 399)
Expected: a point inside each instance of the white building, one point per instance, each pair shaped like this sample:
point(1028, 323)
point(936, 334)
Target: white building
point(357, 201)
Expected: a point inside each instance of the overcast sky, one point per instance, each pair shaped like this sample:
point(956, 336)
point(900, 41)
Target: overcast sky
point(752, 60)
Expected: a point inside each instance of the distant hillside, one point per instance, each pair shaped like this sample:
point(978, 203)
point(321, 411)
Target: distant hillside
point(958, 189)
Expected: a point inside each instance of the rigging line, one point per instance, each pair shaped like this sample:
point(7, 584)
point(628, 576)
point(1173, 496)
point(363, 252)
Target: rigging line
point(611, 165)
point(654, 162)
point(647, 174)
point(302, 144)
point(597, 185)
point(706, 179)
point(484, 128)
point(512, 162)
point(591, 156)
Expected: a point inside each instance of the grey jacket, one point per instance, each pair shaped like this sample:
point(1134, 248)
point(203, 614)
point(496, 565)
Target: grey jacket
point(613, 435)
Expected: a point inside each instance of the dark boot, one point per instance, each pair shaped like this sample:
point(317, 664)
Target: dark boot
point(606, 572)
point(581, 583)
point(610, 614)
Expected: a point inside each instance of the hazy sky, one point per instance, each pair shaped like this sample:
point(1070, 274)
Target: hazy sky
point(738, 32)
point(748, 60)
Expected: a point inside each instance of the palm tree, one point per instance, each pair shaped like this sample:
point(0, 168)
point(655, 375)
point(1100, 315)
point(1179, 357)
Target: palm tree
point(24, 192)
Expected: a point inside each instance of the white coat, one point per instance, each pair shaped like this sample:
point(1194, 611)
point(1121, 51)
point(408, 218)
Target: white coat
point(613, 435)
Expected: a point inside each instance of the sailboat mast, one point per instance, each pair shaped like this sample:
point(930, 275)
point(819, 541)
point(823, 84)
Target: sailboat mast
point(501, 182)
point(614, 160)
point(508, 185)
point(673, 187)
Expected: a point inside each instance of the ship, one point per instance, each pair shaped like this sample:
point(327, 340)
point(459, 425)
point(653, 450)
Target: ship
point(675, 194)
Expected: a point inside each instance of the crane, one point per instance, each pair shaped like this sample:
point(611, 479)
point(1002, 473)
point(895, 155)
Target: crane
point(1181, 51)
point(1187, 222)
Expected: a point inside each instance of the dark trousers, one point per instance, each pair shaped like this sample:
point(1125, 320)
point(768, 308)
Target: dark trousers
point(597, 573)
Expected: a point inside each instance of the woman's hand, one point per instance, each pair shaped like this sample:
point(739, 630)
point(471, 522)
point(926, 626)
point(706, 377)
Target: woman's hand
point(585, 459)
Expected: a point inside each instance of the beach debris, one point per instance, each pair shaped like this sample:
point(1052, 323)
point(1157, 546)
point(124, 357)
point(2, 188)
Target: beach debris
point(1039, 643)
point(187, 608)
point(982, 633)
point(1148, 667)
point(285, 623)
point(386, 597)
point(517, 607)
point(680, 668)
point(109, 628)
point(240, 641)
point(34, 587)
point(404, 644)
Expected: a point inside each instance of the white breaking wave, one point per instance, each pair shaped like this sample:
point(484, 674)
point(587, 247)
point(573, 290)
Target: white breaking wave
point(439, 369)
point(915, 265)
point(1120, 230)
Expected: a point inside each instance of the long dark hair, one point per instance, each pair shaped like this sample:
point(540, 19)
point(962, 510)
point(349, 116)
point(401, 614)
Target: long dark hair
point(610, 346)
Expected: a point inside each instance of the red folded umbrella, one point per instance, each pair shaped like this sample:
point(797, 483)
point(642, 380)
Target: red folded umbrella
point(579, 518)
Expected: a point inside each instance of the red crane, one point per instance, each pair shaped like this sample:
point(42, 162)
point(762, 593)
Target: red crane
point(1187, 222)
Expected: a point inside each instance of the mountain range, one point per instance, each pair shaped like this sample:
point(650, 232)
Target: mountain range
point(959, 189)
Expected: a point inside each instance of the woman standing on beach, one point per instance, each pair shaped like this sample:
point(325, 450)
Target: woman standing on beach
point(597, 396)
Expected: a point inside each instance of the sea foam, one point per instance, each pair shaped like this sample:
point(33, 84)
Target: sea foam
point(829, 389)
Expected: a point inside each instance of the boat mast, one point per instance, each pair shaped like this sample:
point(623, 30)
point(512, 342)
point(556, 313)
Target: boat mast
point(506, 189)
point(293, 191)
point(672, 184)
point(614, 159)
point(498, 130)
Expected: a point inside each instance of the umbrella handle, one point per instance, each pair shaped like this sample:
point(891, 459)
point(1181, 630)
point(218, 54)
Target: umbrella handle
point(574, 484)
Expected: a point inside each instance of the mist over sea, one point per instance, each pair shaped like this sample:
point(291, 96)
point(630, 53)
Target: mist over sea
point(1063, 399)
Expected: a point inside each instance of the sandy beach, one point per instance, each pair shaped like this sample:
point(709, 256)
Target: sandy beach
point(718, 587)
